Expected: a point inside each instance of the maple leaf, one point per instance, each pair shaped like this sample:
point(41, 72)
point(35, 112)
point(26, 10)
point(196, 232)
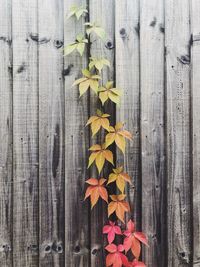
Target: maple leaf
point(88, 81)
point(120, 177)
point(99, 121)
point(111, 230)
point(94, 28)
point(116, 258)
point(78, 45)
point(109, 92)
point(96, 190)
point(77, 11)
point(119, 206)
point(133, 239)
point(98, 63)
point(118, 135)
point(136, 263)
point(99, 155)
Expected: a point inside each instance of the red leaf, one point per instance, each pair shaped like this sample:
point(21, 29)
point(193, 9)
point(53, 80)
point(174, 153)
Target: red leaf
point(111, 230)
point(116, 258)
point(133, 239)
point(141, 237)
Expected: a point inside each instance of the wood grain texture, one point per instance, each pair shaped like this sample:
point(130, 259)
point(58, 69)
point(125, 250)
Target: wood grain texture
point(152, 130)
point(51, 133)
point(127, 78)
point(195, 19)
point(102, 12)
point(178, 132)
point(25, 134)
point(5, 134)
point(77, 236)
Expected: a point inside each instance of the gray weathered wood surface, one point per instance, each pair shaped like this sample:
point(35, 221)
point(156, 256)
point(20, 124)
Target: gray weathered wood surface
point(154, 49)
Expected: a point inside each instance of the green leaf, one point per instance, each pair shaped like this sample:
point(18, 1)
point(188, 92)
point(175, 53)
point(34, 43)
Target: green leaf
point(79, 45)
point(98, 63)
point(80, 48)
point(76, 11)
point(69, 49)
point(93, 28)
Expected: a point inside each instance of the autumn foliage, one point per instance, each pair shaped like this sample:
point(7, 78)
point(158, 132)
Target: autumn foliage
point(126, 249)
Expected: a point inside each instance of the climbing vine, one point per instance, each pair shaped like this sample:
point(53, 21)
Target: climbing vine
point(124, 251)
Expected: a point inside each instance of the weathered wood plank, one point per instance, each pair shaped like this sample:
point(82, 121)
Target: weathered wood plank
point(25, 134)
point(127, 78)
point(51, 133)
point(178, 132)
point(101, 12)
point(152, 130)
point(195, 11)
point(5, 135)
point(77, 234)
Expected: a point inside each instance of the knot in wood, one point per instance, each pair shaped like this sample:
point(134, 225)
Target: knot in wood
point(58, 43)
point(109, 45)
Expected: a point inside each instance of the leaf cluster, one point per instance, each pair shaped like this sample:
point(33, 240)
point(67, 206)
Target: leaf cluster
point(100, 153)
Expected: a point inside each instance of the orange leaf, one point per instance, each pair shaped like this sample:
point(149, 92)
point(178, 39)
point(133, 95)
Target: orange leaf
point(119, 206)
point(118, 136)
point(96, 190)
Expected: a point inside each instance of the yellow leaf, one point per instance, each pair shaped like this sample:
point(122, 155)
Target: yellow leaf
point(120, 184)
point(103, 97)
point(94, 85)
point(110, 138)
point(118, 126)
point(112, 177)
point(114, 98)
point(100, 160)
point(92, 158)
point(95, 126)
point(83, 87)
point(108, 156)
point(91, 119)
point(105, 123)
point(120, 142)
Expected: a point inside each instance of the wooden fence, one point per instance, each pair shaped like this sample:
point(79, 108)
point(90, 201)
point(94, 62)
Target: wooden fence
point(154, 48)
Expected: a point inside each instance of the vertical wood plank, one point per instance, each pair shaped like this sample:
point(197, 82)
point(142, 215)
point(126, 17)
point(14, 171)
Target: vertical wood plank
point(127, 78)
point(25, 134)
point(77, 234)
point(102, 12)
point(195, 11)
point(152, 130)
point(51, 133)
point(178, 132)
point(5, 134)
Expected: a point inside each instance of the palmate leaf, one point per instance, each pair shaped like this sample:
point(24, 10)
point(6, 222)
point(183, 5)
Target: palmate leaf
point(78, 45)
point(120, 178)
point(100, 154)
point(111, 230)
point(133, 239)
point(77, 11)
point(94, 28)
point(118, 135)
point(98, 63)
point(87, 81)
point(96, 122)
point(109, 92)
point(116, 257)
point(96, 190)
point(119, 206)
